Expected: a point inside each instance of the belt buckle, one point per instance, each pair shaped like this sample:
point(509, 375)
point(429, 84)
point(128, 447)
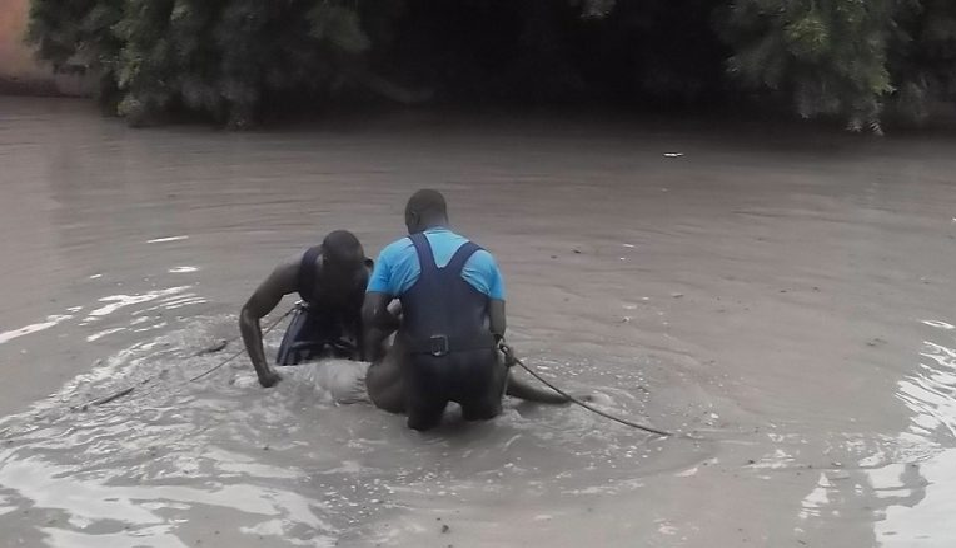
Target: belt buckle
point(438, 344)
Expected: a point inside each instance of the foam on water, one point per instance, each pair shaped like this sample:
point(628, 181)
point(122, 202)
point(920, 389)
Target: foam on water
point(288, 463)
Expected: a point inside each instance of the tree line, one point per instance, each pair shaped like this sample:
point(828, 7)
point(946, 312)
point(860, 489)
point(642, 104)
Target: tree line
point(238, 62)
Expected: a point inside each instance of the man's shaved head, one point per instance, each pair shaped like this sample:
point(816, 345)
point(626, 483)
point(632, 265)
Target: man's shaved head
point(425, 209)
point(342, 251)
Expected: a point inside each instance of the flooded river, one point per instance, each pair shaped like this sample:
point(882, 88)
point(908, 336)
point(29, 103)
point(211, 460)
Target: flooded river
point(788, 299)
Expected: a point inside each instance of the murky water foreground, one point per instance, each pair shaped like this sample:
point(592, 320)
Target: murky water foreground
point(787, 298)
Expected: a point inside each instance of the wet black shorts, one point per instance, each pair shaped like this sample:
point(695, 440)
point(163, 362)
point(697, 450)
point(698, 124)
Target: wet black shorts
point(310, 336)
point(475, 379)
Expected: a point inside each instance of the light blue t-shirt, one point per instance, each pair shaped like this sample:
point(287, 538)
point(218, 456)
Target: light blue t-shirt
point(397, 268)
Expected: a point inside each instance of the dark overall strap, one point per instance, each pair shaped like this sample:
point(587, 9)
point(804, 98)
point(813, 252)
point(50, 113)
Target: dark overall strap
point(457, 263)
point(447, 281)
point(426, 259)
point(309, 272)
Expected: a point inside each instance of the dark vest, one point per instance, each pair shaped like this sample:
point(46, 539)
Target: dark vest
point(332, 315)
point(442, 313)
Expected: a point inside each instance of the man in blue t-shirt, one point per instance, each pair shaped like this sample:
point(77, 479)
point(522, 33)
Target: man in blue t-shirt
point(453, 317)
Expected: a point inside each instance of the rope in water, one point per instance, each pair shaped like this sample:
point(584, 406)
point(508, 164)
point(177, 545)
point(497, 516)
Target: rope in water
point(208, 350)
point(509, 353)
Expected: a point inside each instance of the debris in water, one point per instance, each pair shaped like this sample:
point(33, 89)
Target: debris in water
point(445, 528)
point(751, 462)
point(629, 246)
point(673, 154)
point(677, 295)
point(554, 256)
point(265, 448)
point(218, 347)
point(576, 251)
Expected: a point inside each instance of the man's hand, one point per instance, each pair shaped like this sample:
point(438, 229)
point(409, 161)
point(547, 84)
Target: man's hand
point(509, 353)
point(268, 377)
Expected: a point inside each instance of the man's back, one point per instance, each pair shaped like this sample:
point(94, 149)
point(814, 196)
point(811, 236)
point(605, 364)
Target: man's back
point(398, 266)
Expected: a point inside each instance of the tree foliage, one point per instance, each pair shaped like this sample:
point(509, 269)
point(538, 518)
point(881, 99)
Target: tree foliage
point(233, 61)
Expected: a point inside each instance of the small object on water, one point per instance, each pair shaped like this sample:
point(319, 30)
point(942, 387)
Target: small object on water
point(629, 246)
point(554, 256)
point(626, 319)
point(445, 528)
point(265, 448)
point(576, 251)
point(751, 462)
point(673, 154)
point(218, 347)
point(677, 295)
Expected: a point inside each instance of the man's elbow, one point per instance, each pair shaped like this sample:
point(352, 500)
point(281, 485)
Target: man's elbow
point(248, 316)
point(498, 320)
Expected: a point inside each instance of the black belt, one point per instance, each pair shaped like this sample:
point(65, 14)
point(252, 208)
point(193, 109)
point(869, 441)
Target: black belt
point(442, 345)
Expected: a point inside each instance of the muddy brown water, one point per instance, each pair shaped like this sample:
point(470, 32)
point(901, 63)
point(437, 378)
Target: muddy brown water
point(788, 298)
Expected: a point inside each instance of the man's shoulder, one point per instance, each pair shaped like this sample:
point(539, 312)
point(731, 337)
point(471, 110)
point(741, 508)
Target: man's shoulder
point(394, 251)
point(482, 258)
point(398, 245)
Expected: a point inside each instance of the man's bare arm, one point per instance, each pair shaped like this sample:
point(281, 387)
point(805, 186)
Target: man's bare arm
point(282, 281)
point(378, 321)
point(498, 320)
